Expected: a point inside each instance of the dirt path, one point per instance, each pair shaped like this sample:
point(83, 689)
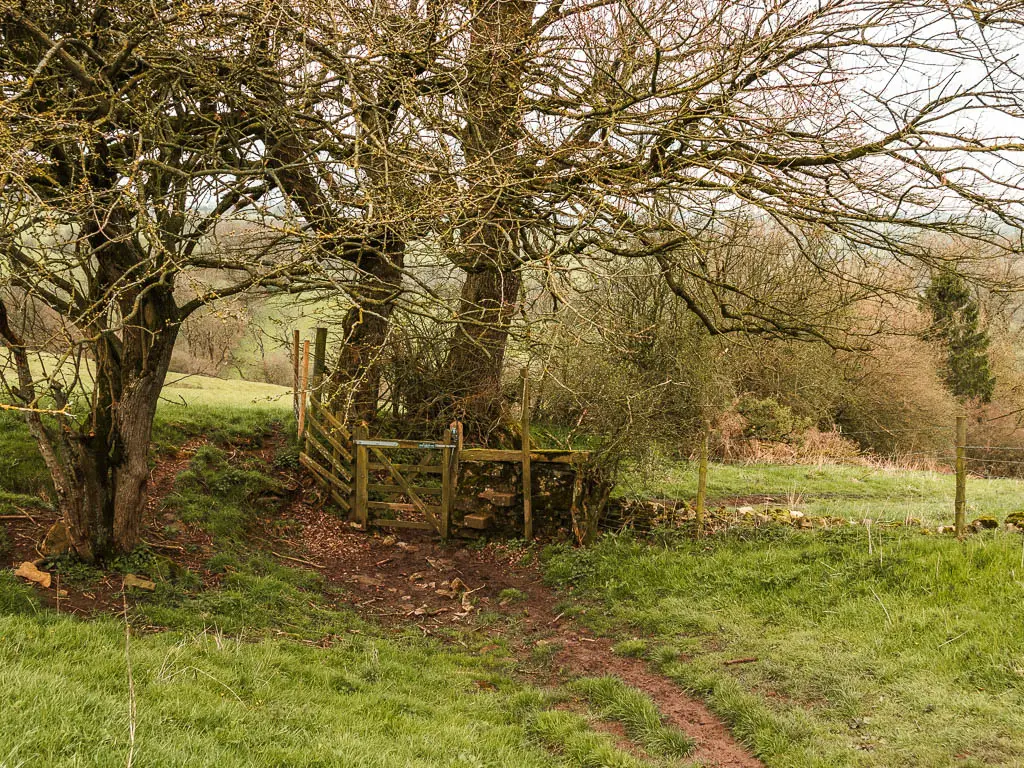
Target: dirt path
point(408, 580)
point(413, 579)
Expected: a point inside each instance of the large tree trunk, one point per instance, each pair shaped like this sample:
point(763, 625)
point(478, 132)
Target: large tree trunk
point(477, 354)
point(100, 466)
point(494, 108)
point(355, 382)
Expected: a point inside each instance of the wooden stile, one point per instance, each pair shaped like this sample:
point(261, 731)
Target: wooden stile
point(319, 364)
point(446, 488)
point(296, 342)
point(302, 389)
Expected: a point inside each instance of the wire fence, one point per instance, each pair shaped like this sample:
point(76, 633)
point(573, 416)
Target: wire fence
point(937, 487)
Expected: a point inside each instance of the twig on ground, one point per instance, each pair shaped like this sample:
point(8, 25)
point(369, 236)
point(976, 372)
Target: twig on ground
point(297, 560)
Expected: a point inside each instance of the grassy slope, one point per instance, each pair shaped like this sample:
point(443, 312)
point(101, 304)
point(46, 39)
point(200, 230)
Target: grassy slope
point(854, 492)
point(263, 671)
point(192, 406)
point(908, 655)
point(203, 699)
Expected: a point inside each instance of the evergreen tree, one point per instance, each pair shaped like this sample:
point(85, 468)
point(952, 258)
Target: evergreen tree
point(955, 324)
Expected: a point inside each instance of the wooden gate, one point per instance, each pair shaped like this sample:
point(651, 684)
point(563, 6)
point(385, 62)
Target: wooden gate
point(380, 491)
point(359, 476)
point(427, 506)
point(326, 451)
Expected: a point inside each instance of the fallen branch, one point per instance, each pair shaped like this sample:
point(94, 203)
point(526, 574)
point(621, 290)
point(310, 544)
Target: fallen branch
point(745, 660)
point(157, 545)
point(297, 560)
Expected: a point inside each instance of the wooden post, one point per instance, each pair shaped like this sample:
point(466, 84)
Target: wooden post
point(527, 474)
point(303, 388)
point(360, 491)
point(296, 342)
point(446, 483)
point(319, 363)
point(960, 506)
point(702, 480)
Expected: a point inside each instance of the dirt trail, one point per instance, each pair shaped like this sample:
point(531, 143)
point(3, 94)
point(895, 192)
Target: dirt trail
point(407, 579)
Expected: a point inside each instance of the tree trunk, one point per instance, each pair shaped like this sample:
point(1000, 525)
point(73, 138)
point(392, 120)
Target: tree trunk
point(100, 468)
point(477, 352)
point(494, 104)
point(355, 383)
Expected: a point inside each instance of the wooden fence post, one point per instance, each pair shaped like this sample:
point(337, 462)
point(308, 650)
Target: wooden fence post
point(296, 342)
point(447, 457)
point(304, 386)
point(527, 470)
point(960, 505)
point(319, 363)
point(702, 480)
point(361, 469)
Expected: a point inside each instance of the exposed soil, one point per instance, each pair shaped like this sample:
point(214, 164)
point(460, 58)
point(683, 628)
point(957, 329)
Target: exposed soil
point(407, 579)
point(402, 580)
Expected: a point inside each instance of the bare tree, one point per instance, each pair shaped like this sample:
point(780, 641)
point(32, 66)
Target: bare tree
point(120, 157)
point(504, 133)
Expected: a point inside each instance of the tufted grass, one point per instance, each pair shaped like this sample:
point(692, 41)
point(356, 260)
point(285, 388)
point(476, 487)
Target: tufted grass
point(909, 654)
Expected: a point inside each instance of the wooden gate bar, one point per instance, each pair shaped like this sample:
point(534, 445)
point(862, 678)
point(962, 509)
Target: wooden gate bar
point(377, 443)
point(387, 488)
point(409, 469)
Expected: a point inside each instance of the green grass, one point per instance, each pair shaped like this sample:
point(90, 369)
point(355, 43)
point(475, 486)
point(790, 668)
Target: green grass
point(206, 699)
point(181, 389)
point(854, 492)
point(615, 700)
point(220, 495)
point(263, 671)
point(910, 654)
point(22, 471)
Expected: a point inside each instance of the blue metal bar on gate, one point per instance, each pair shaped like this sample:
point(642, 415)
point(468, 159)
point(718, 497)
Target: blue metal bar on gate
point(401, 444)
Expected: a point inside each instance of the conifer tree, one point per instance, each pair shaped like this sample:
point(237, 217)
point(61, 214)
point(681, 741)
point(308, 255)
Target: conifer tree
point(956, 325)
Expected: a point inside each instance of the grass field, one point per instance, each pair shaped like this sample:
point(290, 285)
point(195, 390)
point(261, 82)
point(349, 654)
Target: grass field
point(854, 492)
point(907, 654)
point(265, 670)
point(77, 693)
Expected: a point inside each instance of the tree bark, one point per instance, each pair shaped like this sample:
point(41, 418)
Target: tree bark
point(100, 467)
point(477, 354)
point(491, 258)
point(355, 382)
